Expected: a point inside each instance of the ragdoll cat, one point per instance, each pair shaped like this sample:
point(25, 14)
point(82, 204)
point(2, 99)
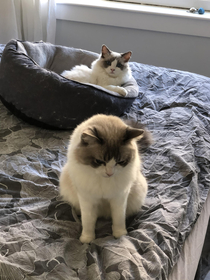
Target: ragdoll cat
point(102, 175)
point(110, 70)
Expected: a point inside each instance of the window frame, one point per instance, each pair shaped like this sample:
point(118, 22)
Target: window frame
point(187, 4)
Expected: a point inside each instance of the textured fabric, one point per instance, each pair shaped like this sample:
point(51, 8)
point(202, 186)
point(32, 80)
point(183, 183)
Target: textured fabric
point(39, 233)
point(31, 87)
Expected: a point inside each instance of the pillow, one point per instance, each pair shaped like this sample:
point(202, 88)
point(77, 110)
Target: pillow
point(31, 87)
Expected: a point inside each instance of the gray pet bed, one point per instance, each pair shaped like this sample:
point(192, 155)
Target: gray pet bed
point(31, 87)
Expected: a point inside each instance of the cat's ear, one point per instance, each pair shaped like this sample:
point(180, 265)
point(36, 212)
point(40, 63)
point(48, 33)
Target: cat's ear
point(126, 56)
point(91, 136)
point(132, 133)
point(105, 51)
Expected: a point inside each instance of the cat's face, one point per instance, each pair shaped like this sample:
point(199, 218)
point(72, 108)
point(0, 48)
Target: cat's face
point(107, 147)
point(107, 159)
point(114, 63)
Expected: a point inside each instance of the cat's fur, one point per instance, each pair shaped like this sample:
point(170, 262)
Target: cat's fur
point(102, 176)
point(111, 70)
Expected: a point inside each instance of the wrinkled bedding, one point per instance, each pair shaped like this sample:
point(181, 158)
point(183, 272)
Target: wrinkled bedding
point(39, 233)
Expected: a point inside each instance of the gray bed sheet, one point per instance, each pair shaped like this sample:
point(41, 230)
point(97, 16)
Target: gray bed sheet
point(39, 233)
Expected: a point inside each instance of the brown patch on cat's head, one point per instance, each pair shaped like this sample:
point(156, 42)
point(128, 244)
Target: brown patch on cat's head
point(107, 137)
point(146, 140)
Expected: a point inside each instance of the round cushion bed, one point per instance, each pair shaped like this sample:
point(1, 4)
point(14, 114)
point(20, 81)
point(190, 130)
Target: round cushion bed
point(32, 88)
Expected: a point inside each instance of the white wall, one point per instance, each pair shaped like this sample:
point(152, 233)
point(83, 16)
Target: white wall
point(183, 52)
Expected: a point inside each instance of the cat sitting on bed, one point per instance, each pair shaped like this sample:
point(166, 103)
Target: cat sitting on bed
point(102, 176)
point(110, 70)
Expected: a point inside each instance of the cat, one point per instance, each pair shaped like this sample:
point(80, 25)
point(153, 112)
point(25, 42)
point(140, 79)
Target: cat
point(102, 176)
point(111, 70)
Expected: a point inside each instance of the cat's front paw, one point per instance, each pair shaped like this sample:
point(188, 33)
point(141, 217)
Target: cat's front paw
point(85, 238)
point(117, 233)
point(122, 91)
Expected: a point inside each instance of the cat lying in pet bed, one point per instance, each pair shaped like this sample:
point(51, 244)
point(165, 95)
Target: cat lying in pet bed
point(110, 70)
point(32, 88)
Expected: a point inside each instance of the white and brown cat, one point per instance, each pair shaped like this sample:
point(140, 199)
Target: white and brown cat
point(102, 176)
point(111, 70)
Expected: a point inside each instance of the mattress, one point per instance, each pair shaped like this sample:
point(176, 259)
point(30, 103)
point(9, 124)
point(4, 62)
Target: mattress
point(187, 264)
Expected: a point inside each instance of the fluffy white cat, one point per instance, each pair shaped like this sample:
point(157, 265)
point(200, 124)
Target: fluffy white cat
point(102, 175)
point(111, 70)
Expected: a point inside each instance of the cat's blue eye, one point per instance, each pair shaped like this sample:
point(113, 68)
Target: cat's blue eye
point(119, 65)
point(108, 63)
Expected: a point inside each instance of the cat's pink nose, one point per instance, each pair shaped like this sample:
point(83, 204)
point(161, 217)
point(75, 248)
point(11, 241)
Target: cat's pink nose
point(109, 174)
point(112, 70)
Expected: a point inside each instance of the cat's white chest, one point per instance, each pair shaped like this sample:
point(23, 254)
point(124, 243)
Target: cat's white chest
point(102, 79)
point(95, 186)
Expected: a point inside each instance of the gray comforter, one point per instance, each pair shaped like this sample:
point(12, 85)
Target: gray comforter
point(39, 232)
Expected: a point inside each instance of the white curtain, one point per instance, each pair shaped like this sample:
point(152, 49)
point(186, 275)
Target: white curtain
point(31, 20)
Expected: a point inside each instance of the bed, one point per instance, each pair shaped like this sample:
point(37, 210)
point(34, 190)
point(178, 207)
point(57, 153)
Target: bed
point(39, 233)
